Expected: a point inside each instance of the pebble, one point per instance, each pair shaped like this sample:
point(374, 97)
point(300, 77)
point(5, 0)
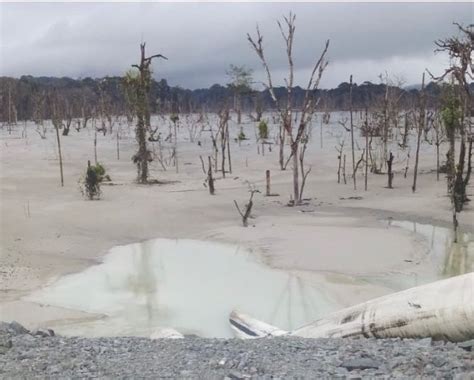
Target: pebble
point(48, 356)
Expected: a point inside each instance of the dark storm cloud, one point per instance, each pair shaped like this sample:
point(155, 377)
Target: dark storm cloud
point(202, 39)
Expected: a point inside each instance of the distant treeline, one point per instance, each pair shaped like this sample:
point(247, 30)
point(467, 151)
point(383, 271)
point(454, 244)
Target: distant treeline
point(29, 97)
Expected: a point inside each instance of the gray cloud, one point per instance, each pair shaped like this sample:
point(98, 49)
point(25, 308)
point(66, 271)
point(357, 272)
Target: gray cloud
point(202, 39)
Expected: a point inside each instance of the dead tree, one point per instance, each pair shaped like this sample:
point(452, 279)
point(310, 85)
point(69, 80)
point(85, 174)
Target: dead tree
point(304, 172)
point(367, 132)
point(438, 137)
point(223, 132)
point(57, 123)
point(248, 207)
point(325, 118)
point(390, 170)
point(352, 137)
point(295, 133)
point(118, 142)
point(388, 116)
point(138, 88)
point(39, 100)
point(457, 114)
point(267, 182)
point(175, 120)
point(339, 159)
point(361, 159)
point(68, 115)
point(344, 169)
point(209, 179)
point(421, 127)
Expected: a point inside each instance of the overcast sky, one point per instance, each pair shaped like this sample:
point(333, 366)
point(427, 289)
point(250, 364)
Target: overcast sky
point(201, 39)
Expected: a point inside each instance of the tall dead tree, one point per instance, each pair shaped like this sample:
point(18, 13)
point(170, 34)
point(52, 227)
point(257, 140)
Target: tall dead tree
point(286, 108)
point(223, 132)
point(339, 150)
point(367, 147)
point(390, 170)
point(352, 136)
point(138, 87)
point(437, 136)
point(57, 123)
point(421, 127)
point(456, 114)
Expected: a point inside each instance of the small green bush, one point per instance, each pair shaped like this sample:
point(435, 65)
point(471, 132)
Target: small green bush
point(99, 170)
point(90, 184)
point(241, 136)
point(263, 130)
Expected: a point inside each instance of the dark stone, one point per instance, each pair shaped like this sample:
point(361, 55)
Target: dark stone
point(361, 363)
point(234, 375)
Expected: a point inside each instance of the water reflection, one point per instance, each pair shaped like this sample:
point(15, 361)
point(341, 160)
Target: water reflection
point(184, 284)
point(450, 258)
point(192, 286)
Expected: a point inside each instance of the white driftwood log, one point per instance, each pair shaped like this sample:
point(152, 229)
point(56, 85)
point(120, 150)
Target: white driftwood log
point(440, 310)
point(246, 327)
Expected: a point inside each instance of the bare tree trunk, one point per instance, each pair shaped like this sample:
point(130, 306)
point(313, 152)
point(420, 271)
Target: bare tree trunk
point(143, 155)
point(437, 161)
point(296, 184)
point(321, 133)
point(421, 126)
point(339, 169)
point(366, 150)
point(228, 147)
point(352, 136)
point(267, 180)
point(210, 180)
point(248, 208)
point(95, 146)
point(176, 147)
point(385, 127)
point(281, 156)
point(407, 166)
point(344, 170)
point(304, 174)
point(60, 154)
point(389, 171)
point(118, 145)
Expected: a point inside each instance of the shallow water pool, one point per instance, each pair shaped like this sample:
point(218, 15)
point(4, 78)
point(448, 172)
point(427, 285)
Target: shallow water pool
point(192, 286)
point(188, 285)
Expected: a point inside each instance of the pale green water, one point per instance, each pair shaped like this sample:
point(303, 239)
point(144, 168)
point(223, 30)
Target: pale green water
point(442, 257)
point(188, 285)
point(192, 286)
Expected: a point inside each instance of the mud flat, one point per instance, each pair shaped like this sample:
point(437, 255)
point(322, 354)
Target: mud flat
point(337, 249)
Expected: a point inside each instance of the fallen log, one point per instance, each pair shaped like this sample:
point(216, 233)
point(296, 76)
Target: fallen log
point(442, 310)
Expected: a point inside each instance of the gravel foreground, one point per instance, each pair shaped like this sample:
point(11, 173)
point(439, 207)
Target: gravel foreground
point(42, 355)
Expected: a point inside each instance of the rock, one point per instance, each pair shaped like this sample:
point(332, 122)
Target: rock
point(425, 342)
point(464, 376)
point(13, 328)
point(439, 361)
point(166, 334)
point(45, 333)
point(235, 375)
point(4, 342)
point(467, 345)
point(5, 345)
point(32, 356)
point(360, 363)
